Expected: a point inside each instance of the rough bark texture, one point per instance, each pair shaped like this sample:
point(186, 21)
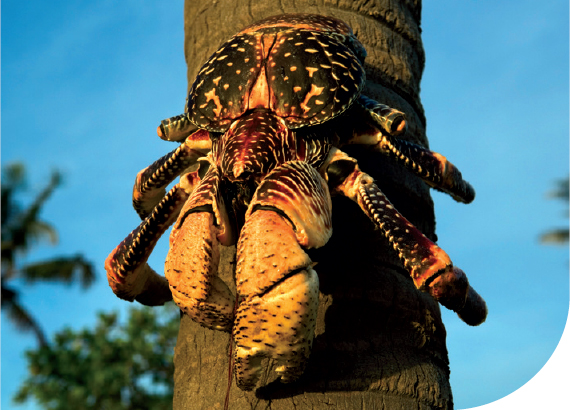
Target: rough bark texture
point(380, 343)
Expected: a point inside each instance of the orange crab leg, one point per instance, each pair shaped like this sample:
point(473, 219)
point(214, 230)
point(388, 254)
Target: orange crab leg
point(151, 182)
point(389, 119)
point(176, 128)
point(432, 167)
point(129, 275)
point(279, 293)
point(378, 131)
point(430, 267)
point(278, 289)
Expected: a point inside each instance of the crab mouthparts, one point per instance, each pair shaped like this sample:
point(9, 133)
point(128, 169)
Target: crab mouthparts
point(238, 169)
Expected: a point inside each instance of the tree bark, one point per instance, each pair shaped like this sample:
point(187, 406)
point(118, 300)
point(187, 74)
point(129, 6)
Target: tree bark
point(380, 343)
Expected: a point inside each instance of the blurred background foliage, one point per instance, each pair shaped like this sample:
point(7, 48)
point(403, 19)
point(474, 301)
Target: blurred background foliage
point(22, 229)
point(558, 236)
point(117, 365)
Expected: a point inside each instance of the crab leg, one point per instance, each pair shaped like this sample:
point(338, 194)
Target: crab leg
point(192, 263)
point(176, 128)
point(432, 167)
point(129, 275)
point(277, 287)
point(390, 119)
point(151, 182)
point(430, 267)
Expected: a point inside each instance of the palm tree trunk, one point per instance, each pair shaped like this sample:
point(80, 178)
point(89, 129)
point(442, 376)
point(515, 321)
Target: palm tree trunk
point(379, 344)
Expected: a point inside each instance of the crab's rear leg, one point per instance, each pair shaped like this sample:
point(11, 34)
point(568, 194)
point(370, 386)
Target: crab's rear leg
point(192, 262)
point(129, 276)
point(430, 267)
point(151, 182)
point(379, 131)
point(278, 289)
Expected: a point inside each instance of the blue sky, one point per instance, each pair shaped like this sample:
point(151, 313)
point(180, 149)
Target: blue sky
point(84, 85)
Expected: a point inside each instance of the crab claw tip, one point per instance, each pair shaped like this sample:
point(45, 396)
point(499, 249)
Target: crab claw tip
point(475, 310)
point(453, 291)
point(450, 288)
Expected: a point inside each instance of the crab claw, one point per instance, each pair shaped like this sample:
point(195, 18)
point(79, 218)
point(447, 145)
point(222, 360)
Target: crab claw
point(452, 290)
point(277, 287)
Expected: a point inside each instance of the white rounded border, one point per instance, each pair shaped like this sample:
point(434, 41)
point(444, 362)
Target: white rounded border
point(548, 389)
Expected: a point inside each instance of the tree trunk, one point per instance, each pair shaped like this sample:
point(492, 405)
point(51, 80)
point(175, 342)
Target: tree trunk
point(380, 343)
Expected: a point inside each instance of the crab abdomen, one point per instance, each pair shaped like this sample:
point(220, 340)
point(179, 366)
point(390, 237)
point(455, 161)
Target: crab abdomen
point(304, 76)
point(313, 77)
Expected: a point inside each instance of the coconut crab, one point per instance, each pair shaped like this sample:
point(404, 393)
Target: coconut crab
point(266, 119)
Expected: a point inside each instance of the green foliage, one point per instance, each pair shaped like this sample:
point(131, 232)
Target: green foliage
point(21, 229)
point(115, 366)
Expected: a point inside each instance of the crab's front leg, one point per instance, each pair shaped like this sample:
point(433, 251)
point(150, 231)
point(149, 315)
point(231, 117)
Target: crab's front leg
point(277, 288)
point(129, 276)
point(192, 262)
point(379, 130)
point(430, 267)
point(151, 182)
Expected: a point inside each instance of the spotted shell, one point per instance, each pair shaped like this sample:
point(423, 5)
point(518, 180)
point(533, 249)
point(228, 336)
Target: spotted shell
point(304, 68)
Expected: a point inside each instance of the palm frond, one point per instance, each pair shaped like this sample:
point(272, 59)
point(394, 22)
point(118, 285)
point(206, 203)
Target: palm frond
point(19, 316)
point(558, 236)
point(22, 228)
point(29, 223)
point(39, 231)
point(555, 237)
point(562, 190)
point(60, 269)
point(13, 180)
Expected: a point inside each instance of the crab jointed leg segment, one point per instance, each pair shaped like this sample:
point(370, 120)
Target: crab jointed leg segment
point(275, 326)
point(151, 182)
point(432, 167)
point(129, 275)
point(430, 267)
point(278, 302)
point(191, 269)
point(391, 120)
point(176, 128)
point(383, 124)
